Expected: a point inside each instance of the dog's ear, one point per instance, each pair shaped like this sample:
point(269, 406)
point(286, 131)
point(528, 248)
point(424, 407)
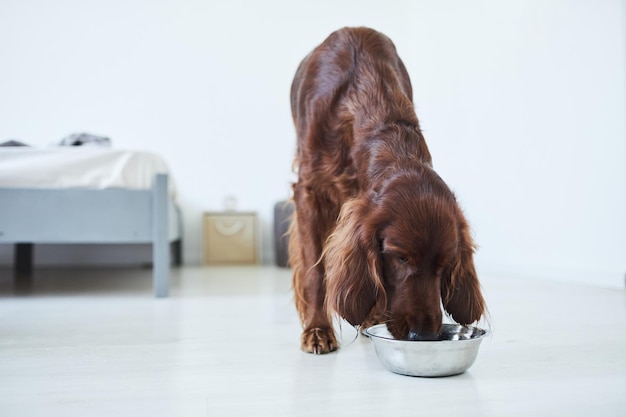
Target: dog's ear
point(460, 290)
point(353, 264)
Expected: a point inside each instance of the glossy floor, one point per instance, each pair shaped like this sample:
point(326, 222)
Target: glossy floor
point(226, 342)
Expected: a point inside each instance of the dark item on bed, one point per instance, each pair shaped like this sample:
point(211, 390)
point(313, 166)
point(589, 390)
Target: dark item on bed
point(13, 143)
point(85, 139)
point(377, 236)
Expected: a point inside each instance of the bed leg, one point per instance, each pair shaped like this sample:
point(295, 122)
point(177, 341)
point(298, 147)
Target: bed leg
point(23, 276)
point(160, 244)
point(24, 258)
point(177, 250)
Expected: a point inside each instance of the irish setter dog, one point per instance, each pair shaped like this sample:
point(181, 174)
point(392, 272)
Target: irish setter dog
point(377, 236)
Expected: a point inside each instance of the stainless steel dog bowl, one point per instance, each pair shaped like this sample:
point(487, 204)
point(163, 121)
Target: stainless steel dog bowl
point(451, 353)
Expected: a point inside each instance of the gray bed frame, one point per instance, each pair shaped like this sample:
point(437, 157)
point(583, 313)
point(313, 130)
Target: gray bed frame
point(78, 215)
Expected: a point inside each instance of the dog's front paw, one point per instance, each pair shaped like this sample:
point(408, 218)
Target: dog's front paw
point(319, 341)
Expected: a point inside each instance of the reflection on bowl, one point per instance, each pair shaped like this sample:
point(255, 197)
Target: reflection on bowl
point(452, 352)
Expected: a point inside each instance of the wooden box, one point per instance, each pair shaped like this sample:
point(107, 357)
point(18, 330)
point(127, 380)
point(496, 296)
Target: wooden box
point(230, 238)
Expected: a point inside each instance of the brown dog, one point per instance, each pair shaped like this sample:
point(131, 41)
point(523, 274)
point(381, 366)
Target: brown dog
point(377, 236)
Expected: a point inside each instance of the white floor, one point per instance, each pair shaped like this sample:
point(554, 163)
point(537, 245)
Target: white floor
point(226, 343)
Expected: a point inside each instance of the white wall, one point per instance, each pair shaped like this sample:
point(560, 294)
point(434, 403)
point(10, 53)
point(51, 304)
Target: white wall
point(522, 104)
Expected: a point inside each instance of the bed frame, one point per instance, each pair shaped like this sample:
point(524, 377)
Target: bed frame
point(77, 215)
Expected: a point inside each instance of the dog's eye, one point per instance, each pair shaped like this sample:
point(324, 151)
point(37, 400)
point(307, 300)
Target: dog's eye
point(403, 260)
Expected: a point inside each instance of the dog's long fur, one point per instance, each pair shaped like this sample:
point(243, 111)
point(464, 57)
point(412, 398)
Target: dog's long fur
point(376, 234)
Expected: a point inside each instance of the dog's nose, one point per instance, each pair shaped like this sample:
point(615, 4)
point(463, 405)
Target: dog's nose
point(423, 336)
point(425, 327)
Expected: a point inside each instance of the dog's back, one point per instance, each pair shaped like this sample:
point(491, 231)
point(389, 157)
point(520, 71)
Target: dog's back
point(349, 86)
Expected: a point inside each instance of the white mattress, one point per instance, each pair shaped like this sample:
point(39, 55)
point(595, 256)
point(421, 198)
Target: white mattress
point(78, 167)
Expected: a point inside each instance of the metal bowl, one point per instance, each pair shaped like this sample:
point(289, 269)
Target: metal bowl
point(451, 353)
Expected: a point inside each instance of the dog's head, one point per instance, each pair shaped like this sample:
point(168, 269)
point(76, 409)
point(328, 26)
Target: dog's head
point(398, 253)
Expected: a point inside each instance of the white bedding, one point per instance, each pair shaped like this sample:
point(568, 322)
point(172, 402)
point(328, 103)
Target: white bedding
point(82, 167)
